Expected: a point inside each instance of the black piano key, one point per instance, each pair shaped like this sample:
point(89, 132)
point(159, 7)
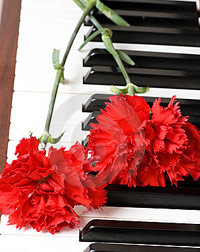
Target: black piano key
point(156, 8)
point(164, 5)
point(154, 22)
point(142, 59)
point(106, 247)
point(97, 102)
point(185, 21)
point(153, 19)
point(104, 75)
point(188, 106)
point(151, 35)
point(92, 118)
point(185, 196)
point(141, 233)
point(157, 13)
point(85, 142)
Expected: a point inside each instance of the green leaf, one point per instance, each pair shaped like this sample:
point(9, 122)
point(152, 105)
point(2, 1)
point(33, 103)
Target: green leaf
point(141, 90)
point(40, 139)
point(109, 45)
point(131, 90)
point(92, 36)
point(62, 79)
point(112, 15)
point(118, 91)
point(55, 59)
point(30, 133)
point(124, 56)
point(55, 140)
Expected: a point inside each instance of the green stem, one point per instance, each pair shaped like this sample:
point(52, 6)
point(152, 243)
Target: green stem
point(114, 54)
point(53, 99)
point(118, 61)
point(59, 73)
point(113, 51)
point(86, 11)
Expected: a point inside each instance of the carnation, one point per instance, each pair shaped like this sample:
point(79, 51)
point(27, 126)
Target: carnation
point(133, 144)
point(41, 191)
point(172, 151)
point(117, 142)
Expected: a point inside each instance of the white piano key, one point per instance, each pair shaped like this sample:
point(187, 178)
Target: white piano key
point(68, 102)
point(73, 133)
point(143, 214)
point(32, 243)
point(11, 229)
point(148, 48)
point(52, 15)
point(48, 42)
point(45, 28)
point(40, 51)
point(29, 68)
point(32, 108)
point(113, 213)
point(49, 4)
point(43, 83)
point(169, 92)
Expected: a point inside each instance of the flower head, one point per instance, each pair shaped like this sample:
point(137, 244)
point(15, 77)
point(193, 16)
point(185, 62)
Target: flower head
point(41, 191)
point(172, 147)
point(117, 142)
point(135, 145)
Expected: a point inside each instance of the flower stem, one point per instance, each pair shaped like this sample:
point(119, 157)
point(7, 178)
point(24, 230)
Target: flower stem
point(108, 43)
point(61, 70)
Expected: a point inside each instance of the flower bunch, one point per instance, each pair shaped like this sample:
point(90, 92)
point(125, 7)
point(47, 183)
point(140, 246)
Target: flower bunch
point(134, 144)
point(41, 191)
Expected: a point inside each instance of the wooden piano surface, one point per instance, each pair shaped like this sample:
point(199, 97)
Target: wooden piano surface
point(46, 25)
point(9, 26)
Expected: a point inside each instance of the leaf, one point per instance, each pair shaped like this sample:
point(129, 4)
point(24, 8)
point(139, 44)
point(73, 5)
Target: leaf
point(118, 91)
point(62, 79)
point(112, 15)
point(131, 90)
point(92, 36)
point(55, 59)
point(109, 45)
point(55, 140)
point(141, 90)
point(124, 56)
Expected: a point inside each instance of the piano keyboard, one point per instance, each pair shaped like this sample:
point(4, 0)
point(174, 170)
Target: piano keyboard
point(99, 247)
point(141, 233)
point(46, 25)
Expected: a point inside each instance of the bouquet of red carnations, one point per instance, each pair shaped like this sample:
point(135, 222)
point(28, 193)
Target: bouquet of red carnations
point(132, 144)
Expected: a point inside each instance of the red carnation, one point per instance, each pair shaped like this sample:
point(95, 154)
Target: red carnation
point(117, 142)
point(133, 147)
point(41, 191)
point(172, 151)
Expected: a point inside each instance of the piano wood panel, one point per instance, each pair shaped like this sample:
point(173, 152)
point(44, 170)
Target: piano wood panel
point(8, 40)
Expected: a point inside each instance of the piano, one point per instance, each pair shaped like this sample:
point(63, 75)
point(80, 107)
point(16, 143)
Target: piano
point(45, 25)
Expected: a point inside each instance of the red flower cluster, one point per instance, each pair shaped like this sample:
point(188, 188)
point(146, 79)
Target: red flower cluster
point(136, 145)
point(41, 191)
point(132, 144)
